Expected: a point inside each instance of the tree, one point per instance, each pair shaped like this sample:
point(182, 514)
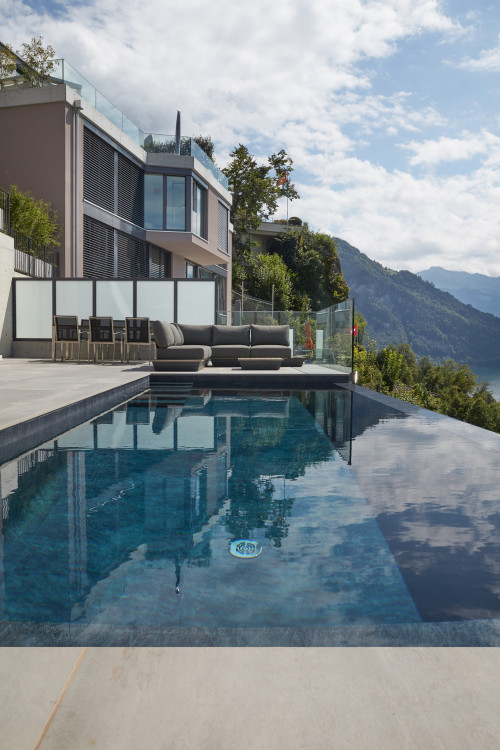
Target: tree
point(256, 190)
point(266, 271)
point(7, 61)
point(315, 266)
point(206, 144)
point(39, 61)
point(35, 219)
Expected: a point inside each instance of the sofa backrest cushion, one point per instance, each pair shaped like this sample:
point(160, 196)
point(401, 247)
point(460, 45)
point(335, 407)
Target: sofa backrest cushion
point(227, 335)
point(163, 333)
point(276, 335)
point(178, 335)
point(196, 334)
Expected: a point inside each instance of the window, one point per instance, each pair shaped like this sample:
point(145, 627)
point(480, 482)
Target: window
point(198, 220)
point(176, 203)
point(165, 192)
point(153, 201)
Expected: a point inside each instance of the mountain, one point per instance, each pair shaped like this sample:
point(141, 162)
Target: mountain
point(400, 307)
point(482, 292)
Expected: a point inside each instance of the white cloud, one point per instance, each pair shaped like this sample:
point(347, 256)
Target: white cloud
point(409, 222)
point(445, 149)
point(296, 75)
point(487, 61)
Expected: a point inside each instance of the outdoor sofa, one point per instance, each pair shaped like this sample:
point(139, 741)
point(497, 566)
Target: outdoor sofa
point(190, 347)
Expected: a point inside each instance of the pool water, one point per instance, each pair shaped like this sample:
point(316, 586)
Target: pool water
point(369, 517)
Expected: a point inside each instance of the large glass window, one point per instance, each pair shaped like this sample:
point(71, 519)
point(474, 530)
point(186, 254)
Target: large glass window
point(198, 221)
point(171, 195)
point(153, 201)
point(176, 203)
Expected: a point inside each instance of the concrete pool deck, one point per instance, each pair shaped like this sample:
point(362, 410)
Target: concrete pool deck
point(279, 698)
point(213, 698)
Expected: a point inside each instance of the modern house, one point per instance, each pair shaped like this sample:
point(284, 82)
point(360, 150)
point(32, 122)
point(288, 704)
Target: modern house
point(131, 204)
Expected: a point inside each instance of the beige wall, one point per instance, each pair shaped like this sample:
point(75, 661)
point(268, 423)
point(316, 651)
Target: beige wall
point(33, 147)
point(7, 273)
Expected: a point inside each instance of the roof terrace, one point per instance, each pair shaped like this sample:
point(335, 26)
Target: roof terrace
point(64, 73)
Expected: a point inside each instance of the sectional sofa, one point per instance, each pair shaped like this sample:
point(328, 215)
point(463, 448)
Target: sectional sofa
point(190, 347)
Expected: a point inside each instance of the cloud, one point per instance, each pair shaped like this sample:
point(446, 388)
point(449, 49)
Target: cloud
point(406, 221)
point(301, 76)
point(445, 149)
point(488, 61)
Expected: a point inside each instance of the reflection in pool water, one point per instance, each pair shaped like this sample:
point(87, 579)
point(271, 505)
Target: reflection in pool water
point(366, 516)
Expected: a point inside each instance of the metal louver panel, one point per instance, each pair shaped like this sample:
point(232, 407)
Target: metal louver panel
point(222, 229)
point(160, 263)
point(98, 171)
point(130, 191)
point(98, 250)
point(132, 257)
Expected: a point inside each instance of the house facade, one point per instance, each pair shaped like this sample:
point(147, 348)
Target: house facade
point(131, 204)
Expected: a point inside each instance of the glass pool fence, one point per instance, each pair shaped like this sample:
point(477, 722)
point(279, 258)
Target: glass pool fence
point(324, 337)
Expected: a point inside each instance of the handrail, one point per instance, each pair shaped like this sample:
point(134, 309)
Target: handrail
point(4, 211)
point(30, 257)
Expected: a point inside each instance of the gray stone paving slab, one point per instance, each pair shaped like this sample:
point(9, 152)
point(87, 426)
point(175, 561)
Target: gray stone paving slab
point(293, 699)
point(29, 388)
point(32, 681)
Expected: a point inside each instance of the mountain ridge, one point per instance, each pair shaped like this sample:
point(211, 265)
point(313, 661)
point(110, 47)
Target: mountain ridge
point(476, 289)
point(401, 307)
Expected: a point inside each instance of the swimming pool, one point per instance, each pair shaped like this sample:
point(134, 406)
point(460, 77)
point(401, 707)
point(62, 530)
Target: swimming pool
point(361, 520)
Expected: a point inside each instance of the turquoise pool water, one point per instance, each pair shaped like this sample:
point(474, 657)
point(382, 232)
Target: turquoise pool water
point(375, 523)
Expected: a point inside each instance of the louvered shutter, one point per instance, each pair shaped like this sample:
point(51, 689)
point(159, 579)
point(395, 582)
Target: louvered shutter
point(98, 250)
point(98, 171)
point(222, 229)
point(130, 191)
point(132, 257)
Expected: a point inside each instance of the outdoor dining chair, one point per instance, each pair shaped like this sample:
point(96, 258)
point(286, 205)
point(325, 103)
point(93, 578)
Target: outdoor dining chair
point(137, 333)
point(102, 333)
point(66, 333)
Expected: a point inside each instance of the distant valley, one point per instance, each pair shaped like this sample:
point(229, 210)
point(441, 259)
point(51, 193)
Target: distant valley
point(401, 307)
point(482, 292)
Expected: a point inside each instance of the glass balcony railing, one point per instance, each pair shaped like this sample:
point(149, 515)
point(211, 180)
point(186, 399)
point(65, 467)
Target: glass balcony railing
point(152, 142)
point(324, 337)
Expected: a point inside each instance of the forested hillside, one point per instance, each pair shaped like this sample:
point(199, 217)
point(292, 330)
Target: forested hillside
point(400, 307)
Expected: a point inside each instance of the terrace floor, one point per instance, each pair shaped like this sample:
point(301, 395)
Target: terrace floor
point(215, 698)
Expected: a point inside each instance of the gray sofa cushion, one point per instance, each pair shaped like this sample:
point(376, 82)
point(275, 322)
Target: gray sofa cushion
point(164, 336)
point(196, 334)
point(271, 351)
point(267, 335)
point(184, 352)
point(178, 336)
point(226, 335)
point(232, 351)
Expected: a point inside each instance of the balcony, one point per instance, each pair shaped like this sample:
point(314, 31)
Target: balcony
point(151, 142)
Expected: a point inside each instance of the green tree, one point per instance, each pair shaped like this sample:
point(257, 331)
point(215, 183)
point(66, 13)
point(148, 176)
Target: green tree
point(206, 144)
point(266, 271)
point(39, 61)
point(256, 190)
point(315, 266)
point(360, 321)
point(7, 61)
point(34, 218)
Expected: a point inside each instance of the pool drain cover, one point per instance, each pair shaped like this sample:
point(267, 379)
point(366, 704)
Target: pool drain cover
point(245, 548)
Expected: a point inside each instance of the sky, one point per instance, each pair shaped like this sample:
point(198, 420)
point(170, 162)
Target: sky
point(388, 108)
